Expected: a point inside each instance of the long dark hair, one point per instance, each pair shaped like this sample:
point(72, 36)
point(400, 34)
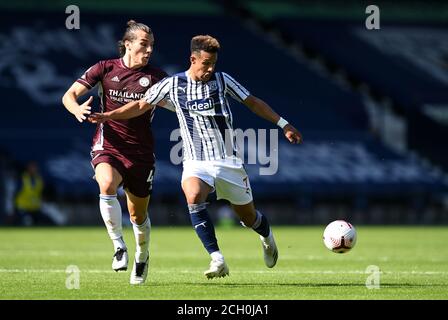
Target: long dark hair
point(133, 26)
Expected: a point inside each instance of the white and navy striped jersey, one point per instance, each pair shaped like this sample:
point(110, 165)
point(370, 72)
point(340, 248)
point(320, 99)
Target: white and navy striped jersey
point(203, 111)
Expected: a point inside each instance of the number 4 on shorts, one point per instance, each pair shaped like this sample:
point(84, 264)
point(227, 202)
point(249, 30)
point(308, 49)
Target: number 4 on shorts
point(151, 176)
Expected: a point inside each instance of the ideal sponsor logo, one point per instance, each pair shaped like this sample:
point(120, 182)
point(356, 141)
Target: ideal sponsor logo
point(200, 104)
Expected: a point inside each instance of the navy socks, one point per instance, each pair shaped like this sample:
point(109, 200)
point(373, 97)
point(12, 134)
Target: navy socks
point(261, 225)
point(203, 226)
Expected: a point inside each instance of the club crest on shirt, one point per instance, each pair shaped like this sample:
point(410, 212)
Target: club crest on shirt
point(144, 82)
point(212, 85)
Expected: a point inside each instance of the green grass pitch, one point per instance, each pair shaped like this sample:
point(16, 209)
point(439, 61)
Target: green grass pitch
point(412, 264)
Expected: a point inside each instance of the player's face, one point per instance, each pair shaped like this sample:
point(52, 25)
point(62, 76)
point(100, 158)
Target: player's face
point(203, 65)
point(140, 48)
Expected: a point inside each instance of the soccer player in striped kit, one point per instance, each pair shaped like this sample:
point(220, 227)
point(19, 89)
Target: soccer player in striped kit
point(122, 151)
point(200, 99)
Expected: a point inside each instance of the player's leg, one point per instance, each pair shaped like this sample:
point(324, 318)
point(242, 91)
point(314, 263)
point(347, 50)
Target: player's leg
point(196, 192)
point(109, 179)
point(141, 225)
point(233, 185)
point(259, 223)
point(138, 188)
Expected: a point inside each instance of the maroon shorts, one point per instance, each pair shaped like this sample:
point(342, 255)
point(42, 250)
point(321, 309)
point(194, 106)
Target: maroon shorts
point(137, 176)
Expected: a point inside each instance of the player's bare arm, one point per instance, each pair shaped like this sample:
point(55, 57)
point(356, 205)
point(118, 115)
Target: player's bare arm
point(69, 100)
point(129, 110)
point(263, 110)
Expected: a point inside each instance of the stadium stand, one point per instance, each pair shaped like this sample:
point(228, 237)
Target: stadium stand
point(341, 161)
point(406, 62)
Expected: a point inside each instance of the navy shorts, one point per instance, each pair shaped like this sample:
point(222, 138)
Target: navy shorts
point(137, 176)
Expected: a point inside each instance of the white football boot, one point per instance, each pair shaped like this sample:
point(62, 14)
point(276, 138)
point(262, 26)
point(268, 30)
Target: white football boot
point(270, 250)
point(218, 269)
point(139, 272)
point(120, 260)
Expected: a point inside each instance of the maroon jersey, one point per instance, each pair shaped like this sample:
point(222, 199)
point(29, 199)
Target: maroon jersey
point(119, 85)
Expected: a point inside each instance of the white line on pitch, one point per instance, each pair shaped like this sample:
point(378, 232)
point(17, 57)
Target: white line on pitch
point(246, 271)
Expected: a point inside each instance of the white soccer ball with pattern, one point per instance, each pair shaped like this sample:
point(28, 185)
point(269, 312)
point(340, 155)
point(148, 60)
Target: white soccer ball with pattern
point(339, 236)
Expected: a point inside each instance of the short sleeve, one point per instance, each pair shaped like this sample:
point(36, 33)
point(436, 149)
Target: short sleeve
point(235, 89)
point(158, 92)
point(93, 75)
point(169, 105)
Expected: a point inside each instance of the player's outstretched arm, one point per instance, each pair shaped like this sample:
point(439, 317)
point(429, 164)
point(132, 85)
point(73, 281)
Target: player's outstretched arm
point(69, 100)
point(263, 110)
point(129, 110)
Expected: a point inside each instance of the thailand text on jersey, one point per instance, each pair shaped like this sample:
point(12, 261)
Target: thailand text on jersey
point(118, 85)
point(203, 111)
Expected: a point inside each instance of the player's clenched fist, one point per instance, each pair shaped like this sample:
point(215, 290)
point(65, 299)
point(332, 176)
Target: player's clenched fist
point(292, 134)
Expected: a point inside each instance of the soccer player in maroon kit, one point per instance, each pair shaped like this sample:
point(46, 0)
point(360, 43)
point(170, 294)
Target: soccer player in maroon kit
point(122, 151)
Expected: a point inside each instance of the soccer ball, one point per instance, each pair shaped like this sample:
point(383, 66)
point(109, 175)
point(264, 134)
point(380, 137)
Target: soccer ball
point(339, 236)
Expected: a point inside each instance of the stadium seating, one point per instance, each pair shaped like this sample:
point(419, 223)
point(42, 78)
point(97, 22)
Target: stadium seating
point(339, 156)
point(406, 62)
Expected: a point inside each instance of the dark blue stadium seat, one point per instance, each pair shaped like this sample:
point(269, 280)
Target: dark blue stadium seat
point(331, 119)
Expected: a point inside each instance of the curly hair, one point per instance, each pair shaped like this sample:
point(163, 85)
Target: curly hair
point(204, 42)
